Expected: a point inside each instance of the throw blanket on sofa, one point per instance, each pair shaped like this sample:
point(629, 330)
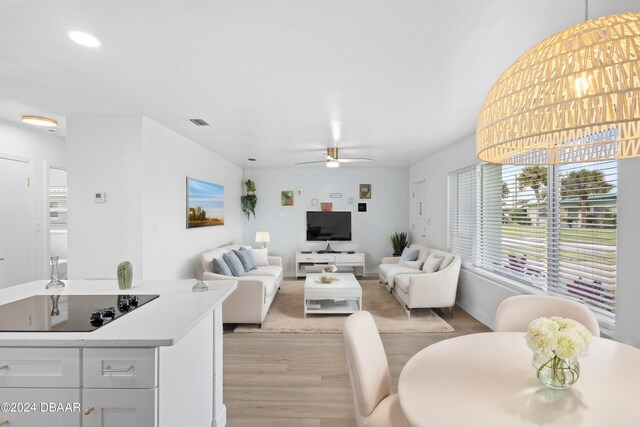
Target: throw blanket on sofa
point(391, 275)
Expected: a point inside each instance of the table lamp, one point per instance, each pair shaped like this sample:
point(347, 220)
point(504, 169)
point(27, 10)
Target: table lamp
point(262, 237)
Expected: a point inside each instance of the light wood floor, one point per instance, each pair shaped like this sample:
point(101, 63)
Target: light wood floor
point(302, 380)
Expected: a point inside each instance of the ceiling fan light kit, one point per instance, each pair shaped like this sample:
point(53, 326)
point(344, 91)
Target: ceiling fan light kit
point(333, 159)
point(574, 97)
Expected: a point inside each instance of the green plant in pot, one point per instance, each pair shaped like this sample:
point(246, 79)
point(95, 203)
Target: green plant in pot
point(248, 201)
point(399, 241)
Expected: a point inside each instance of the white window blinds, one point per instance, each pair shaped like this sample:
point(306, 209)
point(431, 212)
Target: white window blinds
point(549, 227)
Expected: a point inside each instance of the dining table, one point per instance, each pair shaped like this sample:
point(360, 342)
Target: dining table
point(487, 379)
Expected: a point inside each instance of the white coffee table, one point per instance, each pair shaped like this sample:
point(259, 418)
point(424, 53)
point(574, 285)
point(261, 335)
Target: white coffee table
point(341, 296)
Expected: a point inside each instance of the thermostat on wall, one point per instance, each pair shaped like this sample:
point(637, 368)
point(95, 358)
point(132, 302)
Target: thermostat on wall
point(100, 197)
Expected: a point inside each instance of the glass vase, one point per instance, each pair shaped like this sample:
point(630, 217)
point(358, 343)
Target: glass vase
point(555, 372)
point(55, 275)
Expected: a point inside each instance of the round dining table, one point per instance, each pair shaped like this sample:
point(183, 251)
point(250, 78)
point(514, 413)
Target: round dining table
point(487, 379)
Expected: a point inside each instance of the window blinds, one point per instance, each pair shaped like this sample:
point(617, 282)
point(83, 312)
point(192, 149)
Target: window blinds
point(552, 228)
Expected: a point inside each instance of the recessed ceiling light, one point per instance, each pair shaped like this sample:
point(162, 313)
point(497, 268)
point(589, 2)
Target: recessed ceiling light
point(39, 121)
point(84, 39)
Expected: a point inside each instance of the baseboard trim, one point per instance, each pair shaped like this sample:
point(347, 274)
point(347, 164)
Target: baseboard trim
point(221, 418)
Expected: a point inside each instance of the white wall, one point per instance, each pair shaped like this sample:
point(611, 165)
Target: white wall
point(480, 296)
point(104, 154)
point(43, 149)
point(142, 166)
point(387, 210)
point(169, 248)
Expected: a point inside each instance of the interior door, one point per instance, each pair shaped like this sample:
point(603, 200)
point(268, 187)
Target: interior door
point(16, 222)
point(418, 214)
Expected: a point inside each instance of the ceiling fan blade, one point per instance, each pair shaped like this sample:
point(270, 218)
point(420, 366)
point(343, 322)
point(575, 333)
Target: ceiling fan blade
point(308, 163)
point(354, 160)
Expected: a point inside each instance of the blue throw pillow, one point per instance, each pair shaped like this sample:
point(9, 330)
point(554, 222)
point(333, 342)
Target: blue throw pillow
point(246, 259)
point(234, 263)
point(409, 254)
point(220, 267)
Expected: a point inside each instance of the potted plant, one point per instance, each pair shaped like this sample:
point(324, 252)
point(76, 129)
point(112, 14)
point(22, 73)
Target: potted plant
point(249, 200)
point(399, 241)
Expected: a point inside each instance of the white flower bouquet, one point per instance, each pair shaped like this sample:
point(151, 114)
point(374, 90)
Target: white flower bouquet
point(556, 343)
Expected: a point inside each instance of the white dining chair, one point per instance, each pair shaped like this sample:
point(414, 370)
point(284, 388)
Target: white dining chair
point(515, 313)
point(375, 405)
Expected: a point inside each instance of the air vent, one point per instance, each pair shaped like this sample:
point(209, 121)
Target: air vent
point(199, 122)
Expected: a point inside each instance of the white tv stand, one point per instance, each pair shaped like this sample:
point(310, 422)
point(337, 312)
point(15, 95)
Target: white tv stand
point(314, 262)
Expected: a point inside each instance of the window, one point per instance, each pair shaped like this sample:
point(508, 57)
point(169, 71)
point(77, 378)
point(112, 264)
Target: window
point(551, 228)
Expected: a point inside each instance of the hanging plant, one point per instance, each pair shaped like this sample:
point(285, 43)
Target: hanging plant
point(249, 200)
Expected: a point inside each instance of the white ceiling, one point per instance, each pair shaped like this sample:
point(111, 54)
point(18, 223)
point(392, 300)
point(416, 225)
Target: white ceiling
point(404, 78)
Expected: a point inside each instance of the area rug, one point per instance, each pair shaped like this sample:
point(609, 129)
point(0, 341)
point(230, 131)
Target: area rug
point(286, 314)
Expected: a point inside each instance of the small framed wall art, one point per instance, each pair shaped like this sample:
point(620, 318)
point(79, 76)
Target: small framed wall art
point(362, 207)
point(326, 206)
point(286, 198)
point(365, 191)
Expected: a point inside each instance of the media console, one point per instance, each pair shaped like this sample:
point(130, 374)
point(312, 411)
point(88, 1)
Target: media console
point(315, 262)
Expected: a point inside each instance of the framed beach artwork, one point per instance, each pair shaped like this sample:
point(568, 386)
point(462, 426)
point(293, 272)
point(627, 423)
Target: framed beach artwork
point(205, 203)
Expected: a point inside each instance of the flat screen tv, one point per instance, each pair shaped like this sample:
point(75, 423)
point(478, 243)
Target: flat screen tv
point(328, 226)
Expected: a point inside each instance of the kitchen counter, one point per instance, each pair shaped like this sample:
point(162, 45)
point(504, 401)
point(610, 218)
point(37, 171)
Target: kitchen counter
point(161, 322)
point(158, 365)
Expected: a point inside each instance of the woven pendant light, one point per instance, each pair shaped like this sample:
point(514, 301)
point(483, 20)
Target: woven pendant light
point(574, 97)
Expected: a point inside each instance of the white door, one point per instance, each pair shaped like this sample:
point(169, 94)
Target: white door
point(119, 407)
point(418, 214)
point(30, 407)
point(17, 234)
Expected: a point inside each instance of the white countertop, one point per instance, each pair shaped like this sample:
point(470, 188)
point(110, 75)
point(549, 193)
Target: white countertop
point(161, 322)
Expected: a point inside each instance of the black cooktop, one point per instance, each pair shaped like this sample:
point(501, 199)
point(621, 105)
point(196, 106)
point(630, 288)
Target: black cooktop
point(67, 313)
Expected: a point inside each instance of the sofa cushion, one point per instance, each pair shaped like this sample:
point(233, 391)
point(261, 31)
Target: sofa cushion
point(409, 254)
point(221, 267)
point(432, 263)
point(384, 268)
point(268, 270)
point(423, 251)
point(412, 264)
point(234, 263)
point(446, 261)
point(259, 256)
point(246, 259)
point(402, 282)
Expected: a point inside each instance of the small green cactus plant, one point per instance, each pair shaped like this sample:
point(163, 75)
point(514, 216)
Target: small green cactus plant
point(125, 275)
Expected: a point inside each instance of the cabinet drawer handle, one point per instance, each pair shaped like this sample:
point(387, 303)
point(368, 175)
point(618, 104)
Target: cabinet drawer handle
point(4, 423)
point(89, 410)
point(4, 367)
point(108, 368)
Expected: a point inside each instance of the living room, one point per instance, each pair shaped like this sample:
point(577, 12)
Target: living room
point(126, 143)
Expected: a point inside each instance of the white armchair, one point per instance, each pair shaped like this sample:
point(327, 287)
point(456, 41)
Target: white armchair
point(428, 290)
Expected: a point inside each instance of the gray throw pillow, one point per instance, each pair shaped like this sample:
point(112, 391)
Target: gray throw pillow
point(409, 254)
point(220, 267)
point(412, 264)
point(246, 259)
point(234, 263)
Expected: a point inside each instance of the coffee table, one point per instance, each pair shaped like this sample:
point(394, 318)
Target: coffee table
point(343, 296)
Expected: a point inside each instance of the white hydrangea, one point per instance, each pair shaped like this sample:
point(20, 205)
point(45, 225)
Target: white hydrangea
point(558, 336)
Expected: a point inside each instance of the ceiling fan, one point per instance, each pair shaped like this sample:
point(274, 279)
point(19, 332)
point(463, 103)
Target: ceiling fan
point(333, 160)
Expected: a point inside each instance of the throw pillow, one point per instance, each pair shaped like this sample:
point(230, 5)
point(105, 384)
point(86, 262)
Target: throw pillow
point(412, 264)
point(234, 263)
point(246, 259)
point(259, 256)
point(448, 259)
point(432, 263)
point(220, 267)
point(409, 254)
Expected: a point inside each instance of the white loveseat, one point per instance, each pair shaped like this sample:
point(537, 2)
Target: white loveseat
point(417, 289)
point(250, 302)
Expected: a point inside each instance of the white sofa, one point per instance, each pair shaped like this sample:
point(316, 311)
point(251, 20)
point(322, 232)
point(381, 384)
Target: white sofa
point(391, 262)
point(250, 302)
point(417, 289)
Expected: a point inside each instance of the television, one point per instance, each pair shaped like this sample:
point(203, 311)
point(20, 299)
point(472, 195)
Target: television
point(325, 226)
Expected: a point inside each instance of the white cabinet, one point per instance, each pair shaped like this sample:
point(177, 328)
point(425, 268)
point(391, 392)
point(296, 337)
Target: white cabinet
point(35, 407)
point(119, 407)
point(314, 262)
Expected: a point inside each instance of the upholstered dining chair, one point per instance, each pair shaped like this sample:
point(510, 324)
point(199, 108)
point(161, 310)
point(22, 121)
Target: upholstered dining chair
point(369, 373)
point(515, 313)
